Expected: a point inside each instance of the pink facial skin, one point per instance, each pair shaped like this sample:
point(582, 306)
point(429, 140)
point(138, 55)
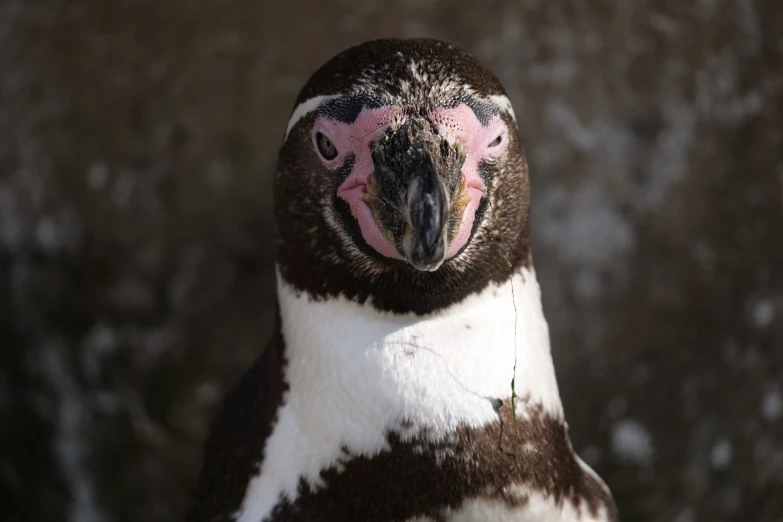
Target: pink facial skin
point(458, 123)
point(480, 142)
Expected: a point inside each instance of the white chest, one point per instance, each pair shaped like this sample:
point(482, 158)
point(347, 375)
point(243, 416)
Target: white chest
point(355, 373)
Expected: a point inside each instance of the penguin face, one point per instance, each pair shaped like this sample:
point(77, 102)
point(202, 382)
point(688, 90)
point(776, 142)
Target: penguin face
point(401, 162)
point(414, 184)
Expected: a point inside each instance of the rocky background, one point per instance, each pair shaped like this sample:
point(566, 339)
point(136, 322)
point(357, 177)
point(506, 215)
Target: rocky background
point(137, 143)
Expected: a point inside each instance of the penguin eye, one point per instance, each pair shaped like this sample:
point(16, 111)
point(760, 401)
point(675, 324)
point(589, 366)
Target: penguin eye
point(496, 142)
point(326, 148)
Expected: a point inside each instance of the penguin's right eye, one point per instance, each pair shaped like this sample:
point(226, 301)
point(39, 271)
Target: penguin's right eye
point(326, 148)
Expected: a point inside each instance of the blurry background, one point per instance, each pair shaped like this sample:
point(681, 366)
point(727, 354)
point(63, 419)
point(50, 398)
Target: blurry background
point(137, 145)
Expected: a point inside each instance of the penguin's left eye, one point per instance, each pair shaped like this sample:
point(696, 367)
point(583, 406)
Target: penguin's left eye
point(326, 148)
point(498, 139)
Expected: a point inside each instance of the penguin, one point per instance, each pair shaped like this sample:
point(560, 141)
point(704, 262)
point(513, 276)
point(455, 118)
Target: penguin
point(409, 377)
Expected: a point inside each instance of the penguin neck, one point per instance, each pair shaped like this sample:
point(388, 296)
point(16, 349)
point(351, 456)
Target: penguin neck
point(433, 372)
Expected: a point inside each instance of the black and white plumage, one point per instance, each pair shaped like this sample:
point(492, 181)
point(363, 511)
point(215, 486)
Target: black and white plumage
point(407, 302)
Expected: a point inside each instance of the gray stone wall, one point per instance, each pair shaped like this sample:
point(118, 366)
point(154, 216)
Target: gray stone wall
point(137, 144)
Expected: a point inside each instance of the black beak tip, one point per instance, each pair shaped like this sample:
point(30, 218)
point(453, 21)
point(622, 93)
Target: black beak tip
point(427, 259)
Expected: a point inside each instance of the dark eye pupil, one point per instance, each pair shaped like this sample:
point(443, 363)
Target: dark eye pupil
point(496, 141)
point(325, 147)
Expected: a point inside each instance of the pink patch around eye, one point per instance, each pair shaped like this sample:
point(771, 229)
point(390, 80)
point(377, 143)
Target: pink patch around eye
point(458, 123)
point(356, 138)
point(480, 142)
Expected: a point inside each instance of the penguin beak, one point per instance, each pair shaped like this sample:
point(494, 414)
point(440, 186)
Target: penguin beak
point(424, 243)
point(417, 191)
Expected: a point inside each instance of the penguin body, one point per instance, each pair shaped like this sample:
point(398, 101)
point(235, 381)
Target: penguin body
point(410, 376)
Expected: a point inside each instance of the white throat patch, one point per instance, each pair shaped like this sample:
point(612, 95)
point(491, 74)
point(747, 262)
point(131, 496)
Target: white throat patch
point(355, 373)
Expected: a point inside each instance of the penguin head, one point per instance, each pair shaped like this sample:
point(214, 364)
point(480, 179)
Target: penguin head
point(401, 179)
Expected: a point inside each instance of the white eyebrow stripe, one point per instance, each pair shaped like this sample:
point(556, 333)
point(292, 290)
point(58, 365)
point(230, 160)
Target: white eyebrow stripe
point(305, 107)
point(504, 103)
